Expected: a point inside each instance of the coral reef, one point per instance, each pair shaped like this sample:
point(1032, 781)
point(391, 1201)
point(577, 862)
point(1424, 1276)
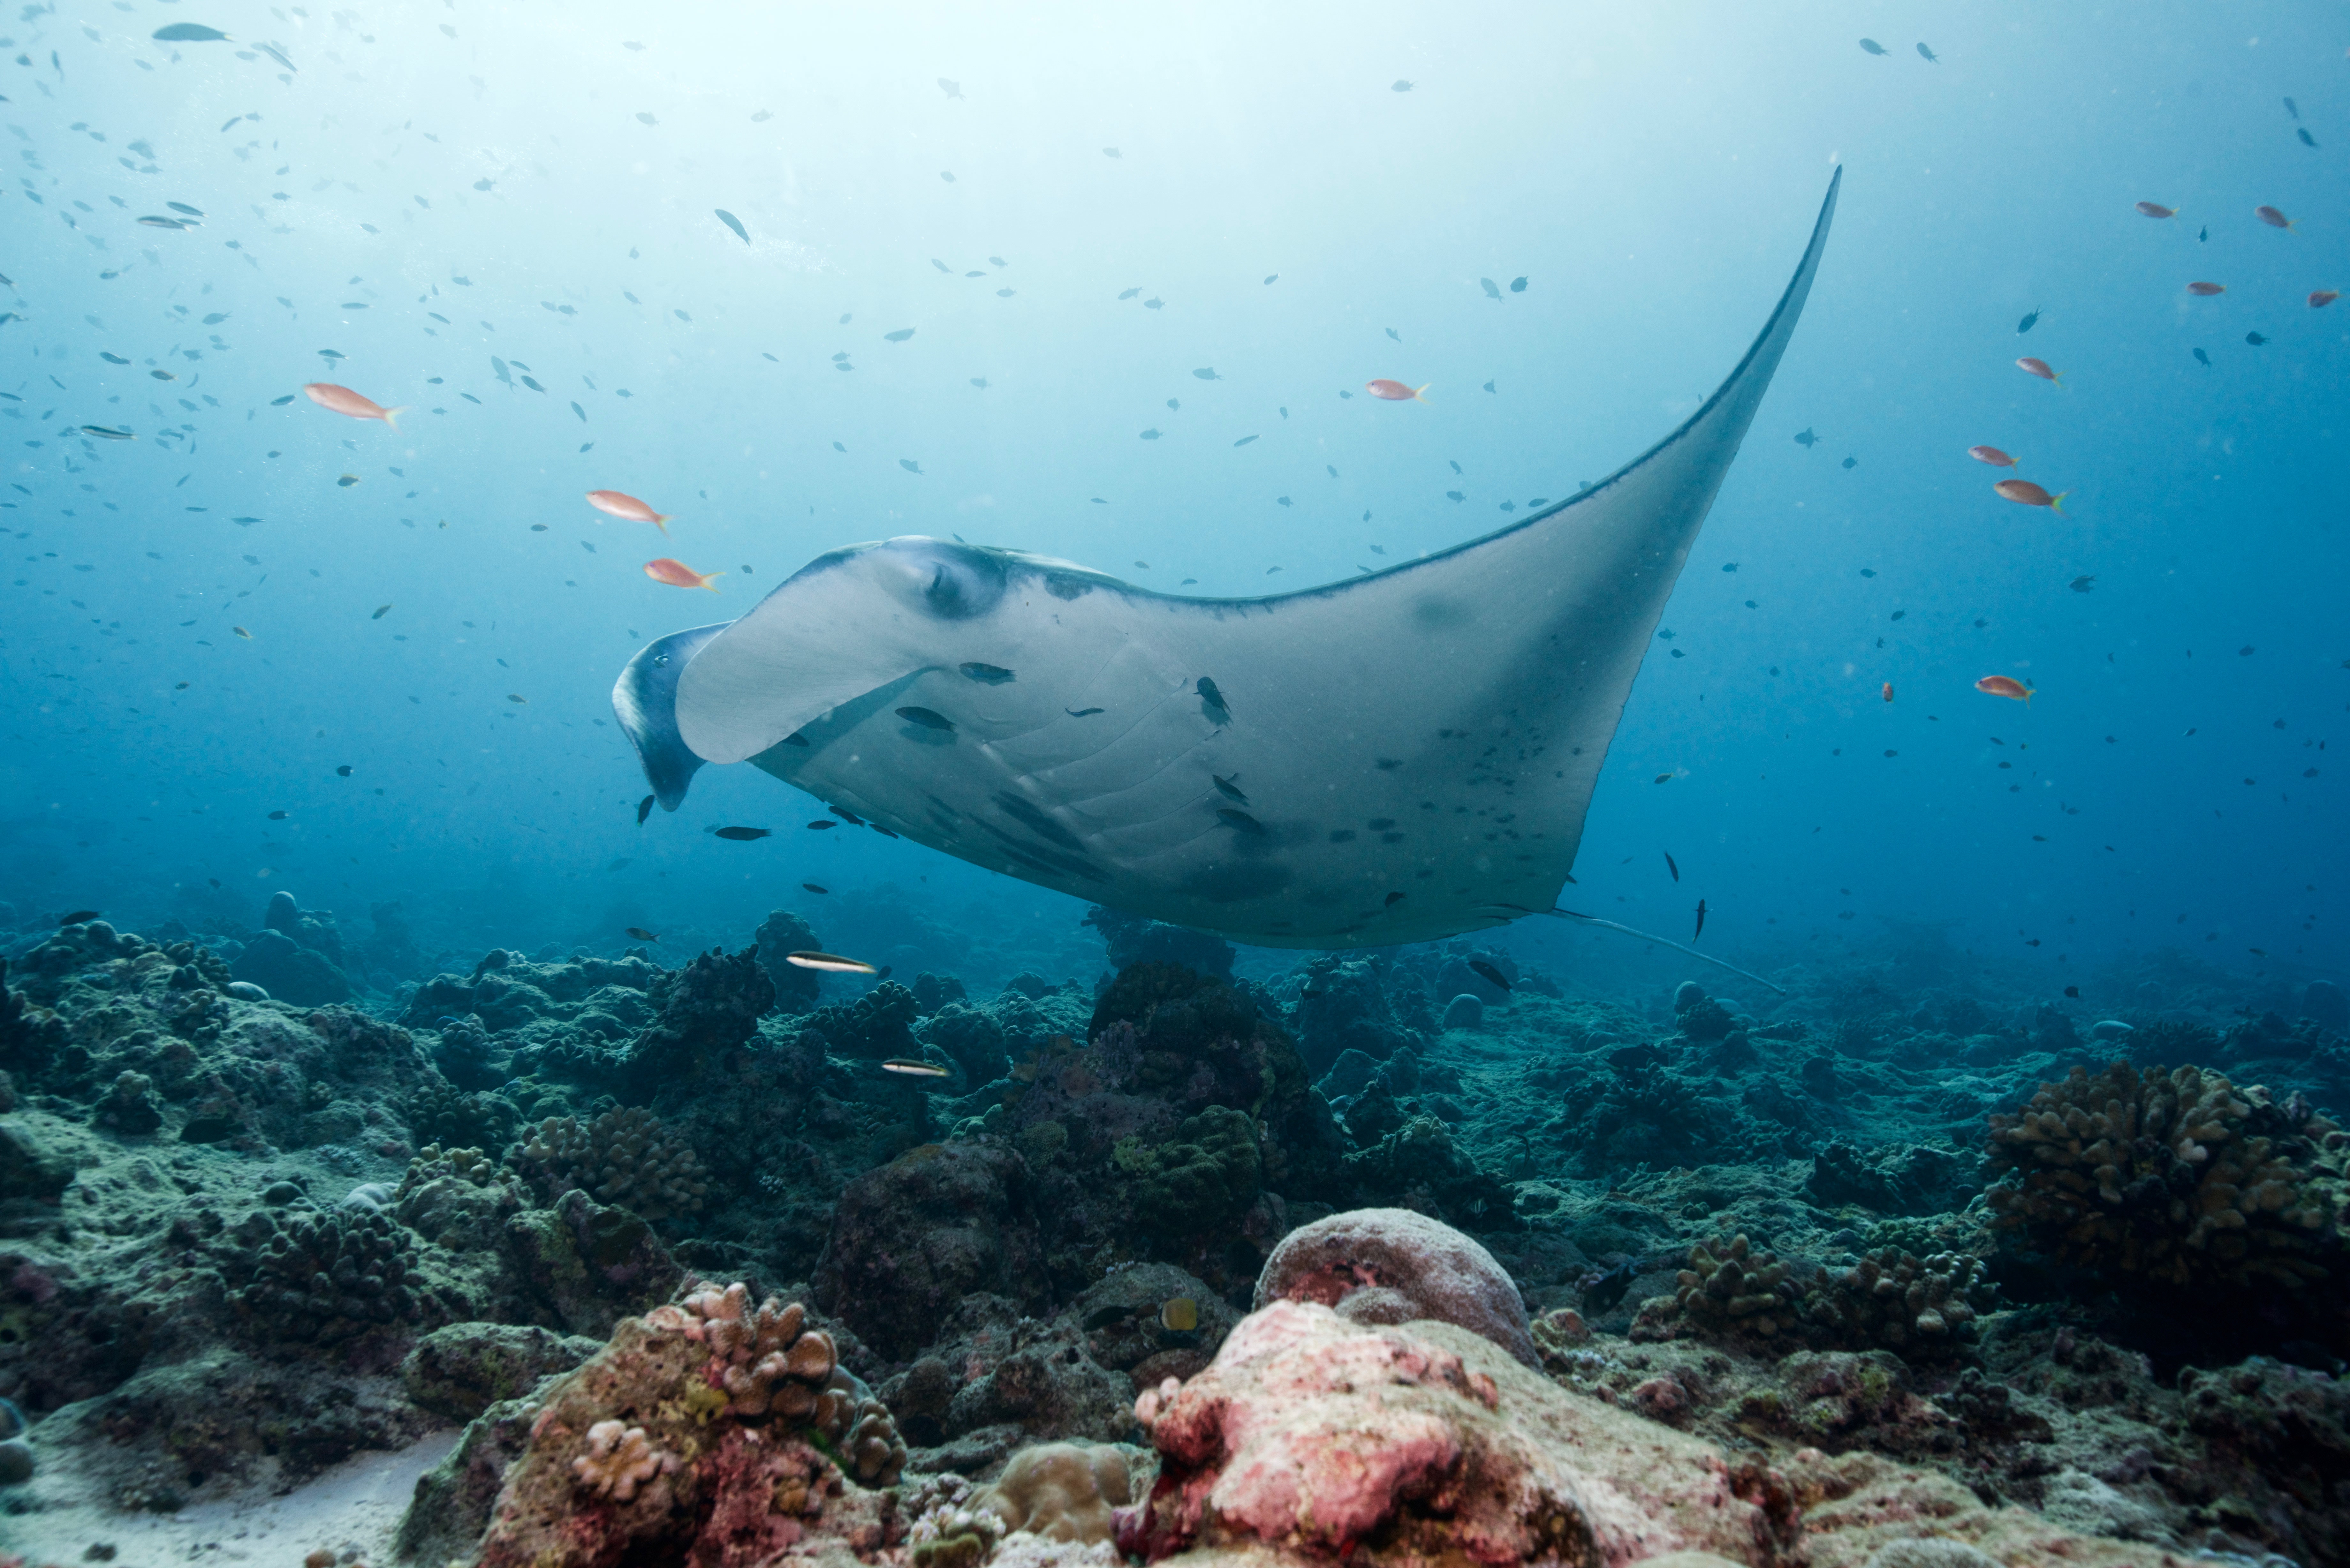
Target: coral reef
point(242, 1239)
point(702, 1433)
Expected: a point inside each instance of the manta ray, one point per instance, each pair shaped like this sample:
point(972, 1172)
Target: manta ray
point(1397, 758)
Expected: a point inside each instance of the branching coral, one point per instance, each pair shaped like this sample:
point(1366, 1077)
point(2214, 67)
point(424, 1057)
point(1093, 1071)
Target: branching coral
point(325, 1277)
point(2161, 1177)
point(624, 1157)
point(770, 1364)
point(768, 1360)
point(619, 1460)
point(1918, 1306)
point(1731, 1288)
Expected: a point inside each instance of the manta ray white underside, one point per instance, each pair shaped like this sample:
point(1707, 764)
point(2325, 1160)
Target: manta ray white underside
point(1396, 758)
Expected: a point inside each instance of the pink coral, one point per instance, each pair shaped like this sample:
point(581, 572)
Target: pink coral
point(1391, 1265)
point(1321, 1435)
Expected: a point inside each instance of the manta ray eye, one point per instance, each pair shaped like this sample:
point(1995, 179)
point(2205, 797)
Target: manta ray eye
point(954, 582)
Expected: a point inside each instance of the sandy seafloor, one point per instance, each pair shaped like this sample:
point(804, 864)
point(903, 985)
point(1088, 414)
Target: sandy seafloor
point(255, 1281)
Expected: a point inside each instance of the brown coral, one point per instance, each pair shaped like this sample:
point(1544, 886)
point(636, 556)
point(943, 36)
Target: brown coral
point(1730, 1288)
point(623, 1157)
point(1920, 1307)
point(2169, 1177)
point(770, 1364)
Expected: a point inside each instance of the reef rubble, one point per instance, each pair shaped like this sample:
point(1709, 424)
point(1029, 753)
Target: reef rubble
point(1193, 1261)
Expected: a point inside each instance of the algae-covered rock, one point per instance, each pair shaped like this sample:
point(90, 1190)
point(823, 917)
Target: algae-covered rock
point(781, 934)
point(913, 1237)
point(462, 1370)
point(28, 1169)
point(1205, 1175)
point(588, 1264)
point(291, 972)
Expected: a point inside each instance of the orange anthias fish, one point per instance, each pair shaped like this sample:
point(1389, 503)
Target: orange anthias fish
point(2024, 492)
point(1889, 691)
point(352, 405)
point(2157, 210)
point(1395, 392)
point(1992, 455)
point(677, 575)
point(628, 508)
point(2320, 299)
point(2206, 290)
point(2001, 686)
point(2032, 366)
point(2271, 217)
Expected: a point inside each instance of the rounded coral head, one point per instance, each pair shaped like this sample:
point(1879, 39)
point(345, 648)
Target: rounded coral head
point(1391, 1265)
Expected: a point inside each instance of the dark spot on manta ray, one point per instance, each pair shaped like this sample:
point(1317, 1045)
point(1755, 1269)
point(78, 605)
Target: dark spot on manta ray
point(1342, 836)
point(1239, 821)
point(796, 739)
point(926, 718)
point(1230, 790)
point(1061, 585)
point(988, 674)
point(1387, 764)
point(1080, 712)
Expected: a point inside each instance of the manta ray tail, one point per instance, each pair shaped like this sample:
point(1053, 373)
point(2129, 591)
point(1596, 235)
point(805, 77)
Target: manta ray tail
point(1667, 942)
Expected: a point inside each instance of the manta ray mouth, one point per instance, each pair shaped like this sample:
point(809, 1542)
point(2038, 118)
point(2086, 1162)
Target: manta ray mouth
point(1414, 750)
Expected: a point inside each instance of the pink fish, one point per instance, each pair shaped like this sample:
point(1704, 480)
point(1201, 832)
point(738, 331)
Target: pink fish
point(2319, 299)
point(2032, 366)
point(1396, 391)
point(1992, 455)
point(628, 508)
point(2004, 686)
point(352, 405)
point(677, 575)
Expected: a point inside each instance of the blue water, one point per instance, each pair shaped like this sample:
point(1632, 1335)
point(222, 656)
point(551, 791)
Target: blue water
point(540, 185)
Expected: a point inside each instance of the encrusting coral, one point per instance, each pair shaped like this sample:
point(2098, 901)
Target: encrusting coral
point(1062, 1491)
point(2172, 1178)
point(624, 1157)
